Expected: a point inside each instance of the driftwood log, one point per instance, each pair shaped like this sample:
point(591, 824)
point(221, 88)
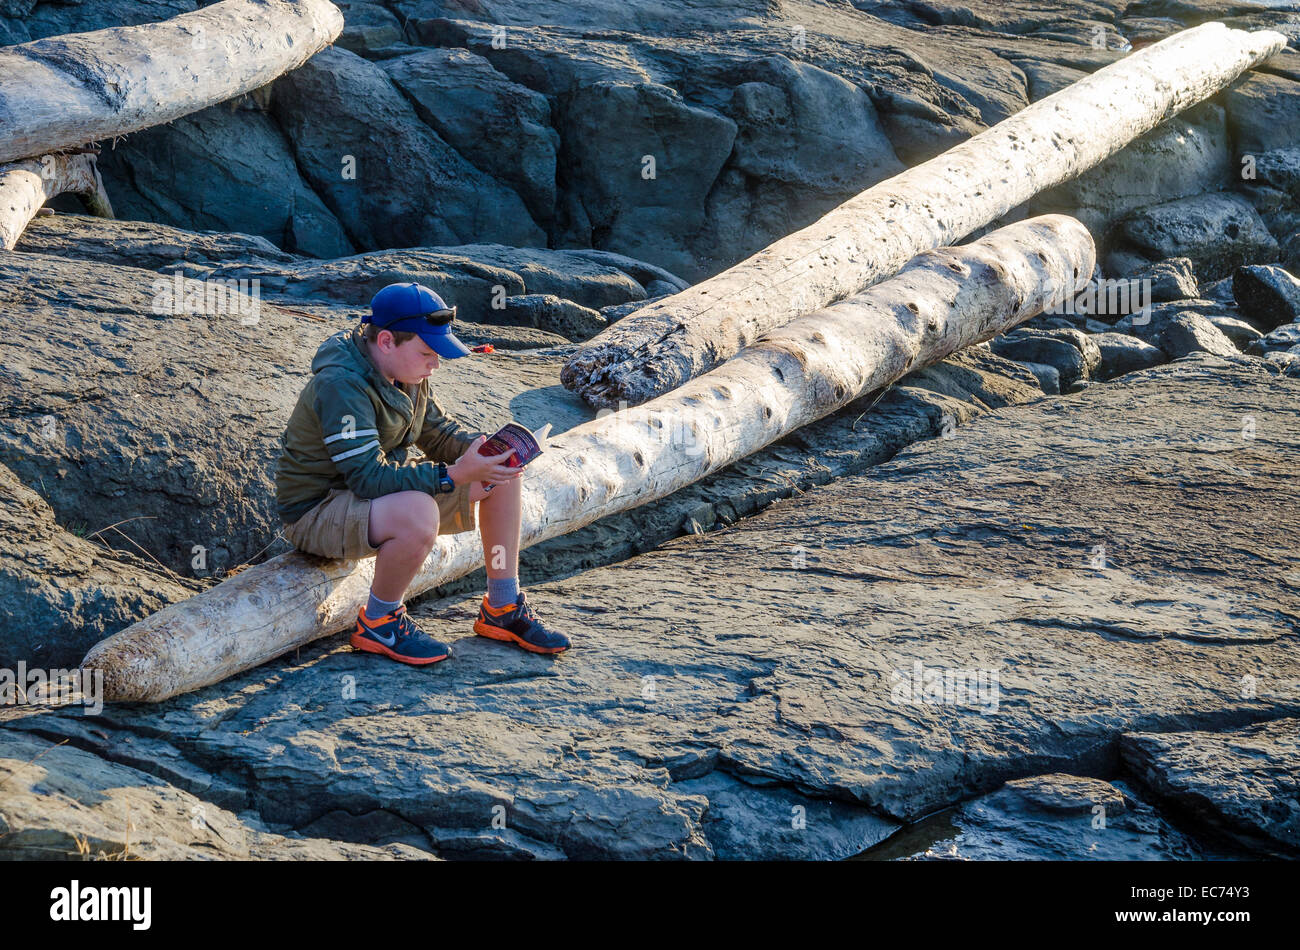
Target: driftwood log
point(65, 91)
point(25, 186)
point(939, 202)
point(944, 300)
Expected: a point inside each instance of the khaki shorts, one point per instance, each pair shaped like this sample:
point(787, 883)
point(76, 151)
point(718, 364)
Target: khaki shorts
point(339, 526)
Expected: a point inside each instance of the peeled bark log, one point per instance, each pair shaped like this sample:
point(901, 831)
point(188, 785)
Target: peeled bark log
point(64, 91)
point(939, 202)
point(26, 186)
point(945, 300)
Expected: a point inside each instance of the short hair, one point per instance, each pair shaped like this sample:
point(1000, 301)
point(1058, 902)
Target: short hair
point(371, 334)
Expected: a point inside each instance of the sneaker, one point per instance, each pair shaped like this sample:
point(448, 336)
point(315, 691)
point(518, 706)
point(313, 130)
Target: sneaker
point(396, 637)
point(519, 625)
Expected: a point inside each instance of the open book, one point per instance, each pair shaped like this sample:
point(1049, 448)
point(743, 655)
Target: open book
point(523, 446)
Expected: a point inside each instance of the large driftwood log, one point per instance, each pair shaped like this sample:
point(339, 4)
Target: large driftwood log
point(25, 186)
point(943, 301)
point(65, 91)
point(939, 202)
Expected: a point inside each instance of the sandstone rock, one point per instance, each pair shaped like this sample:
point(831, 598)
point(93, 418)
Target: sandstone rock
point(61, 590)
point(477, 278)
point(35, 20)
point(1068, 350)
point(1048, 377)
point(1283, 338)
point(151, 246)
point(1179, 333)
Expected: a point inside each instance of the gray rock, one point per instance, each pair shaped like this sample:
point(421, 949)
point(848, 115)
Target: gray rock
point(1218, 232)
point(593, 755)
point(1219, 291)
point(368, 27)
point(1238, 331)
point(64, 803)
point(1243, 782)
point(1046, 346)
point(619, 311)
point(477, 278)
point(1283, 362)
point(549, 312)
point(1282, 338)
point(1181, 333)
point(503, 128)
point(1185, 156)
point(1121, 353)
point(1263, 113)
point(1269, 296)
point(641, 160)
point(1173, 279)
point(753, 823)
point(42, 19)
point(1048, 817)
point(226, 168)
point(150, 246)
point(389, 178)
point(61, 590)
point(1290, 254)
point(1048, 377)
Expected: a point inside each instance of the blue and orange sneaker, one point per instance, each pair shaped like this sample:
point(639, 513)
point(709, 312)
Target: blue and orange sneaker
point(398, 638)
point(516, 623)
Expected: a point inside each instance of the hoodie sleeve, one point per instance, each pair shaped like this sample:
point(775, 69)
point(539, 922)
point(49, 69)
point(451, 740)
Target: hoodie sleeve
point(442, 438)
point(347, 419)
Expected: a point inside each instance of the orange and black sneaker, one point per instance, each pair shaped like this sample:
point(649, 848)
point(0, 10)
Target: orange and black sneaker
point(398, 638)
point(516, 623)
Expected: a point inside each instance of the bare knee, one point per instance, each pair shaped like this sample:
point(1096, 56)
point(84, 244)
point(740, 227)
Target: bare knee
point(408, 517)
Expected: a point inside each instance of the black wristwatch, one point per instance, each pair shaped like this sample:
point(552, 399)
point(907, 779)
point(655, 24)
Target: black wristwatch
point(445, 484)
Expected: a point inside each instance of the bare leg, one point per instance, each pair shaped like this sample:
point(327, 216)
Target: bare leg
point(500, 515)
point(404, 526)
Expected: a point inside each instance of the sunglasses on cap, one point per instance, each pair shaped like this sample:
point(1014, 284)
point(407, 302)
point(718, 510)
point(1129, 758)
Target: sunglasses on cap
point(435, 318)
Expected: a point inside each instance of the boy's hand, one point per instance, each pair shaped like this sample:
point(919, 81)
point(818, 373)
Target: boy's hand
point(492, 469)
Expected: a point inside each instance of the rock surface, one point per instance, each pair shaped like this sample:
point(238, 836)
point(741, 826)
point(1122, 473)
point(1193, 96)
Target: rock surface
point(1047, 817)
point(1056, 617)
point(1243, 782)
point(61, 803)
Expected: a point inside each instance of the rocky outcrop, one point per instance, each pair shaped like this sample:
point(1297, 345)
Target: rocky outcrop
point(61, 803)
point(389, 179)
point(1056, 817)
point(1244, 783)
point(906, 590)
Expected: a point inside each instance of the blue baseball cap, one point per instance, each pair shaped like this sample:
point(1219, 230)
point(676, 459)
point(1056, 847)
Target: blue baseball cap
point(414, 308)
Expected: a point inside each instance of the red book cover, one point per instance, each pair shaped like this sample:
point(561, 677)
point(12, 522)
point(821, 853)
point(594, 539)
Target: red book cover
point(516, 440)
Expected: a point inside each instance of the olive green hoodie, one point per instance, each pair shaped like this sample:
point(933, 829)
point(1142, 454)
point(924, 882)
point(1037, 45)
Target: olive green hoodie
point(354, 429)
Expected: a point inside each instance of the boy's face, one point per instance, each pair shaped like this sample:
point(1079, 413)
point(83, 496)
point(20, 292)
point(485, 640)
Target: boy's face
point(409, 362)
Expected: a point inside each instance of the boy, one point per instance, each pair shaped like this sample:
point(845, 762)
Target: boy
point(346, 489)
